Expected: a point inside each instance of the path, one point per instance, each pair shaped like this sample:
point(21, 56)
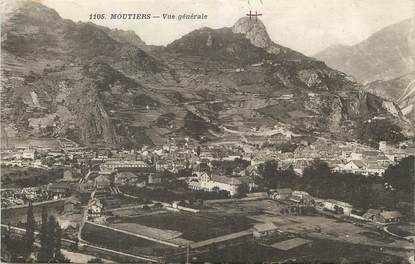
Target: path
point(221, 239)
point(86, 245)
point(137, 235)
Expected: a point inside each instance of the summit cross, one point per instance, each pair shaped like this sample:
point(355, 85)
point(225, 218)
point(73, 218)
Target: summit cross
point(256, 15)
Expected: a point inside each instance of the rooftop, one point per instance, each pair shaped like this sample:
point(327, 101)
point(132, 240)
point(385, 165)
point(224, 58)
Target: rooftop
point(360, 164)
point(390, 214)
point(226, 180)
point(290, 243)
point(265, 227)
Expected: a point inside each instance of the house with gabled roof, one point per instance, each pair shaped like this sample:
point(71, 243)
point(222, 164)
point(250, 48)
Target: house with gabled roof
point(264, 229)
point(387, 217)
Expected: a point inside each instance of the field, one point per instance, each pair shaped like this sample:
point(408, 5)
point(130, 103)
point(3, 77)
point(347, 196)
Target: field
point(402, 230)
point(122, 242)
point(194, 227)
point(319, 251)
point(182, 228)
point(315, 226)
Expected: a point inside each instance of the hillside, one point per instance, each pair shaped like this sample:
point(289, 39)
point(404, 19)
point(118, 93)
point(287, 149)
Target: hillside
point(100, 86)
point(253, 87)
point(400, 90)
point(388, 53)
point(66, 79)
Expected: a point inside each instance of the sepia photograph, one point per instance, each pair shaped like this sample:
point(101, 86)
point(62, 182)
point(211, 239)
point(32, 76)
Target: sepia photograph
point(207, 131)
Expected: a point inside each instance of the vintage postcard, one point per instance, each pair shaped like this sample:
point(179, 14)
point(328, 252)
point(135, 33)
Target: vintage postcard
point(207, 131)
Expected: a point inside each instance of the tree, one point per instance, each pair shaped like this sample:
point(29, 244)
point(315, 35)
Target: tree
point(224, 193)
point(216, 189)
point(274, 177)
point(51, 227)
point(268, 169)
point(243, 189)
point(43, 252)
point(57, 238)
point(30, 231)
point(75, 246)
point(317, 178)
point(198, 151)
point(401, 175)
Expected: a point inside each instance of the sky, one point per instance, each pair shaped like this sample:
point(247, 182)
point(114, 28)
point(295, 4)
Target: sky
point(308, 26)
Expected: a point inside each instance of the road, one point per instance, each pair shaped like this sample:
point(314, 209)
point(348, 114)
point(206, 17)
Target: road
point(85, 178)
point(86, 245)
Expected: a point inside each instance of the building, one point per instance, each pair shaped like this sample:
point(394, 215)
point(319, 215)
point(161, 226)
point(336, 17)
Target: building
point(354, 166)
point(102, 182)
point(370, 214)
point(382, 146)
point(355, 156)
point(154, 178)
point(70, 204)
point(387, 217)
point(95, 208)
point(215, 182)
point(126, 178)
point(124, 165)
point(30, 154)
point(264, 229)
point(300, 197)
point(60, 188)
point(337, 207)
point(373, 168)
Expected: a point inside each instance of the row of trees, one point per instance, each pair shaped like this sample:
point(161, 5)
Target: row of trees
point(50, 240)
point(23, 250)
point(359, 190)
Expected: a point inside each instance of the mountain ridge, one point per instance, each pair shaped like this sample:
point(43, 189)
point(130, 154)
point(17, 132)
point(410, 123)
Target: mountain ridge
point(94, 87)
point(391, 49)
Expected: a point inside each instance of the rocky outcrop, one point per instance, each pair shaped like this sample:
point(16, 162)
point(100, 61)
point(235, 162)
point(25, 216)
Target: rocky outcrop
point(255, 31)
point(125, 36)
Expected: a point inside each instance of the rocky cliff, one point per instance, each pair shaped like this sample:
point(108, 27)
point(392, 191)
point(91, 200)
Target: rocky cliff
point(400, 90)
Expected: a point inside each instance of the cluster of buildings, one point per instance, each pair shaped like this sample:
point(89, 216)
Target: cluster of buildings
point(146, 166)
point(179, 154)
point(21, 196)
point(336, 207)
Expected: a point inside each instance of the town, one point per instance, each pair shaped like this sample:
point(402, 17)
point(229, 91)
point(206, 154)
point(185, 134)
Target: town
point(242, 131)
point(185, 199)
